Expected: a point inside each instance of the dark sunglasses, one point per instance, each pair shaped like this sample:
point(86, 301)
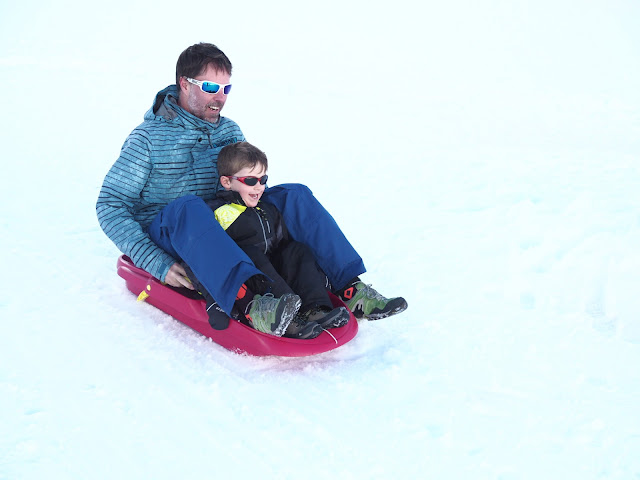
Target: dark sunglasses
point(251, 181)
point(210, 87)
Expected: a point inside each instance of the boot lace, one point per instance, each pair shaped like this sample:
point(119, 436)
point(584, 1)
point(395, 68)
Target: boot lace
point(264, 306)
point(370, 292)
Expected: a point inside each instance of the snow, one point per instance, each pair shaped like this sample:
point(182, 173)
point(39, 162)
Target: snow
point(481, 156)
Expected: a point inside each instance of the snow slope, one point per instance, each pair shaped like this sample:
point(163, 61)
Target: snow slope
point(481, 156)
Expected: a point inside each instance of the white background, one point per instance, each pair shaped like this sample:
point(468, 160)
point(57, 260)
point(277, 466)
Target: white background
point(481, 156)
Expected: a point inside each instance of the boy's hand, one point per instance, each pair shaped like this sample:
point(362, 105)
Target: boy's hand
point(176, 277)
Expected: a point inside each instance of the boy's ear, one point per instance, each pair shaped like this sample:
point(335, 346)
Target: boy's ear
point(225, 182)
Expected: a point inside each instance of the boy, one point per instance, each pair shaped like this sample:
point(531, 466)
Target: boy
point(259, 229)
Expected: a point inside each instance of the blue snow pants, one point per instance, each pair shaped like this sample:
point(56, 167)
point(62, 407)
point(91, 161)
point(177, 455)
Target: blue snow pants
point(187, 229)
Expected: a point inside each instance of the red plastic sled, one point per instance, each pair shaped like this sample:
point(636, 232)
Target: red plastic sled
point(238, 337)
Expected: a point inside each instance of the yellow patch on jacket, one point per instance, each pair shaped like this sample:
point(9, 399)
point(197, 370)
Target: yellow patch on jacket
point(227, 214)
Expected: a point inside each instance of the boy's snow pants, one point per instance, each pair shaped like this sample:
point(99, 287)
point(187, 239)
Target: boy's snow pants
point(187, 229)
point(291, 268)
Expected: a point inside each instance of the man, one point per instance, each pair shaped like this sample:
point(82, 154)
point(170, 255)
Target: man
point(152, 202)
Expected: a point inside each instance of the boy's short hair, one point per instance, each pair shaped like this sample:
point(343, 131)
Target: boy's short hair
point(195, 60)
point(236, 156)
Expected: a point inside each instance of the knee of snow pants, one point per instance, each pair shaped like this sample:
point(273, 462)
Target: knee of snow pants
point(187, 229)
point(310, 223)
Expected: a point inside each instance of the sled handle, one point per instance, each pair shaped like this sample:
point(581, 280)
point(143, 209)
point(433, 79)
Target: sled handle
point(144, 294)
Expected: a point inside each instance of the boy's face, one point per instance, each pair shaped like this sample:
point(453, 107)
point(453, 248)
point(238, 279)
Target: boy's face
point(250, 195)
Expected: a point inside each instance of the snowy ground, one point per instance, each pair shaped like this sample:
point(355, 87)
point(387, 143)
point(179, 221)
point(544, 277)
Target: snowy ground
point(481, 156)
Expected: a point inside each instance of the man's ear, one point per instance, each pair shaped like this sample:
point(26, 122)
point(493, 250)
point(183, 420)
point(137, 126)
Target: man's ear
point(184, 84)
point(225, 182)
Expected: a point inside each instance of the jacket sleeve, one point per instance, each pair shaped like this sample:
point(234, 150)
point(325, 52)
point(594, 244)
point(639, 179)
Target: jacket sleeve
point(118, 200)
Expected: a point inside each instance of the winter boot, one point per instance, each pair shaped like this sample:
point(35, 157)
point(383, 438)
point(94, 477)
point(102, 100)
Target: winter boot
point(365, 302)
point(272, 315)
point(326, 318)
point(303, 329)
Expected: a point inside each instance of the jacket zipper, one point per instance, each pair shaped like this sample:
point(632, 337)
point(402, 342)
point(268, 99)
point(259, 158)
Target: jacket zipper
point(264, 233)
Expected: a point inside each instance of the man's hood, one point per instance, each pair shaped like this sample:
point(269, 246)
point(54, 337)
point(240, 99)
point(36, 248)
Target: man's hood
point(165, 107)
point(160, 108)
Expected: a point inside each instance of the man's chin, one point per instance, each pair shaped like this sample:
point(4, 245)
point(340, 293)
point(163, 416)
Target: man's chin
point(210, 115)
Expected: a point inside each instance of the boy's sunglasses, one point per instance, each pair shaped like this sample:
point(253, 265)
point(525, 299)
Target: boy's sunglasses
point(210, 87)
point(251, 181)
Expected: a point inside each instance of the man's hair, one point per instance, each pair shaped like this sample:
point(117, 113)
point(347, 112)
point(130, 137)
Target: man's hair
point(195, 60)
point(236, 156)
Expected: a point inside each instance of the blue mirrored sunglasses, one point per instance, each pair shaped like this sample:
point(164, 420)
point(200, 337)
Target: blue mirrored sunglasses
point(210, 87)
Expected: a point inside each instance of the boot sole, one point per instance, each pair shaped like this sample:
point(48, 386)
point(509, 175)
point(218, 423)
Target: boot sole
point(338, 317)
point(287, 309)
point(396, 307)
point(311, 333)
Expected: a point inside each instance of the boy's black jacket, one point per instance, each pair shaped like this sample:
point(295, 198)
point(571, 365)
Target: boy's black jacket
point(262, 226)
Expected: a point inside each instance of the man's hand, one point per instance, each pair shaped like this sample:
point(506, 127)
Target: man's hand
point(176, 277)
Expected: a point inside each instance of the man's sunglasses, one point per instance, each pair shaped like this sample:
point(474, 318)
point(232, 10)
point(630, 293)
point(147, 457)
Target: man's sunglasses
point(251, 181)
point(211, 87)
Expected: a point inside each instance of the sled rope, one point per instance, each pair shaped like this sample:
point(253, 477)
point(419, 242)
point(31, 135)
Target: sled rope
point(334, 338)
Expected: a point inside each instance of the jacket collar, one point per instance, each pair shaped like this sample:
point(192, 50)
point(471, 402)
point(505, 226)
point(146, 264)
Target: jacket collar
point(166, 106)
point(229, 196)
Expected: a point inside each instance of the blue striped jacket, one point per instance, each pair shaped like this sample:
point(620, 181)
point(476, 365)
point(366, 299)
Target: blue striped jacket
point(171, 154)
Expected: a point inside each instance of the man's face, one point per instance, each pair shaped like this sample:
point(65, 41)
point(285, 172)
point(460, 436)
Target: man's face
point(206, 106)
